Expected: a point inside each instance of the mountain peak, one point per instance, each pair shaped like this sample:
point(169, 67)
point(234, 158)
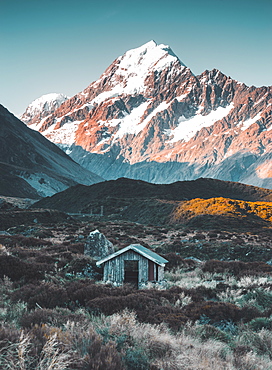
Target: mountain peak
point(149, 117)
point(150, 56)
point(46, 100)
point(129, 73)
point(45, 104)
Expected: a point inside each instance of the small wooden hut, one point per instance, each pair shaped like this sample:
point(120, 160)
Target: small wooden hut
point(133, 264)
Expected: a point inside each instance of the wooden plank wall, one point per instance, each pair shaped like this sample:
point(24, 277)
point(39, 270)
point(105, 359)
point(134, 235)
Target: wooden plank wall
point(114, 268)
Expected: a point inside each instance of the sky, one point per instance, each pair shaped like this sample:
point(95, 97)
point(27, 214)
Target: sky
point(64, 45)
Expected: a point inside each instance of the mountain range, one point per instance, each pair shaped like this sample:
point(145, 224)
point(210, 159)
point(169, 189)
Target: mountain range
point(149, 117)
point(32, 166)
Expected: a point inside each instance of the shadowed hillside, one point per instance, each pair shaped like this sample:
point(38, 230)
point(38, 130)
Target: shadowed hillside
point(207, 202)
point(81, 198)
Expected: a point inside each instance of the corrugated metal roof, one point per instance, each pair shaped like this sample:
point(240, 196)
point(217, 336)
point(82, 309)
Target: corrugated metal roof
point(138, 248)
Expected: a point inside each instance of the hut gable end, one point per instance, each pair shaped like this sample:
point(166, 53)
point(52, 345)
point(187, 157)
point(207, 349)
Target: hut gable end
point(138, 249)
point(133, 264)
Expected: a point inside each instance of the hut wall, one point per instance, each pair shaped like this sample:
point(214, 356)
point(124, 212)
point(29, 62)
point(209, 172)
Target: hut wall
point(160, 273)
point(114, 268)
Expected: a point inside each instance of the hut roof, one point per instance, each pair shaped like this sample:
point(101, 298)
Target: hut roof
point(138, 248)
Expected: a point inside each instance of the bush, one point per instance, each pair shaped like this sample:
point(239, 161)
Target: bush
point(8, 335)
point(17, 269)
point(260, 323)
point(263, 299)
point(110, 305)
point(173, 317)
point(174, 260)
point(45, 295)
point(56, 317)
point(136, 359)
point(215, 311)
point(206, 332)
point(237, 268)
point(82, 291)
point(83, 266)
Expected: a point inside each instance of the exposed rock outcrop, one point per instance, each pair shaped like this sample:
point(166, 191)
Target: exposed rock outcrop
point(97, 245)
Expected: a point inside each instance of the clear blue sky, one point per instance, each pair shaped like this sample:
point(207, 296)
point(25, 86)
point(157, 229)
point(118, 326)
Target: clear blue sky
point(64, 45)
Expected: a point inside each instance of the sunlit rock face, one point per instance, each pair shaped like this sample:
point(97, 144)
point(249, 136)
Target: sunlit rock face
point(149, 117)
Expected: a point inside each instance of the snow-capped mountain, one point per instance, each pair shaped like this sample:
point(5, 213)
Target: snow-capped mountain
point(42, 106)
point(149, 117)
point(32, 166)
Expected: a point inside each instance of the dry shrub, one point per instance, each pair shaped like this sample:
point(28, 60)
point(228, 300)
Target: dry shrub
point(82, 291)
point(215, 311)
point(174, 260)
point(206, 332)
point(56, 317)
point(83, 265)
point(22, 355)
point(237, 268)
point(260, 343)
point(165, 350)
point(172, 316)
point(8, 335)
point(17, 269)
point(102, 356)
point(249, 313)
point(109, 305)
point(45, 295)
point(20, 240)
point(92, 351)
point(245, 358)
point(76, 248)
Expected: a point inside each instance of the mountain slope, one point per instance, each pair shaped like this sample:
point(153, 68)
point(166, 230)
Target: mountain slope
point(149, 117)
point(179, 202)
point(36, 165)
point(81, 198)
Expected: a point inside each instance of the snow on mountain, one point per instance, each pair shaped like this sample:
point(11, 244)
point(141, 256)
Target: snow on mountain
point(149, 117)
point(188, 127)
point(42, 106)
point(134, 67)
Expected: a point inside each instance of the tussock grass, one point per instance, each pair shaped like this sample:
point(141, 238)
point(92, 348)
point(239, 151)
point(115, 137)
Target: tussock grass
point(207, 315)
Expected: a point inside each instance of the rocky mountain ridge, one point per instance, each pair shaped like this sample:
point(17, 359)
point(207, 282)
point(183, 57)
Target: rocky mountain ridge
point(149, 117)
point(42, 106)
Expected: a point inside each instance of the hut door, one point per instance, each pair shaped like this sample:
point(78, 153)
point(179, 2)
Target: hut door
point(150, 271)
point(131, 272)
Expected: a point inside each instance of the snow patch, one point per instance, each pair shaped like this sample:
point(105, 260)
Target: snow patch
point(161, 107)
point(38, 126)
point(188, 127)
point(181, 97)
point(135, 66)
point(130, 123)
point(45, 103)
point(246, 124)
point(65, 135)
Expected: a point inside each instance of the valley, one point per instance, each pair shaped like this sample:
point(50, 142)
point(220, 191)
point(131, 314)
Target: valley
point(153, 155)
point(214, 303)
